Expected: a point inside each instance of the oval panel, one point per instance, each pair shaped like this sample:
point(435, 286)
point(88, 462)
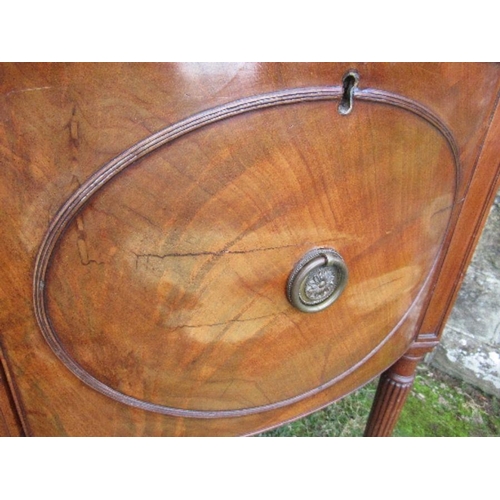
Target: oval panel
point(169, 287)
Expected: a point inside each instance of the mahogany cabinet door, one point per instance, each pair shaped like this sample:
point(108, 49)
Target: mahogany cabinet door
point(152, 215)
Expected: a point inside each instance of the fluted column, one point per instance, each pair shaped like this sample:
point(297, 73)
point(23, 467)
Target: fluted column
point(395, 385)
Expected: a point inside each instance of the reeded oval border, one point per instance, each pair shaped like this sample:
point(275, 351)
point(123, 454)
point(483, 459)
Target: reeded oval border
point(91, 186)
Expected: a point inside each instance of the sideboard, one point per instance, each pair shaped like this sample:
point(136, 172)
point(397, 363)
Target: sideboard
point(217, 249)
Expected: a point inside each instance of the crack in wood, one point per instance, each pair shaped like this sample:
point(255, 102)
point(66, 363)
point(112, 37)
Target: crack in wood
point(225, 322)
point(388, 282)
point(224, 251)
point(217, 253)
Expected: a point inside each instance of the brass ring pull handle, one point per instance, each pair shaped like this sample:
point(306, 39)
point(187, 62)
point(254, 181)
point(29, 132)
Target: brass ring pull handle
point(317, 280)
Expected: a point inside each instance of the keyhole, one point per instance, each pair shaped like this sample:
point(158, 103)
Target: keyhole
point(349, 84)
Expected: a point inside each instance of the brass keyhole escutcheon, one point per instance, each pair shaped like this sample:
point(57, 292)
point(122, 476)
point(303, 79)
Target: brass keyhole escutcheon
point(317, 280)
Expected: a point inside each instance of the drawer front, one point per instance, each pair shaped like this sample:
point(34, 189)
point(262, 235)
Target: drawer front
point(170, 286)
point(164, 287)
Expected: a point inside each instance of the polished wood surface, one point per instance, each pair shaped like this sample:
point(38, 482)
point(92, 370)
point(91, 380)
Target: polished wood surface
point(9, 420)
point(168, 286)
point(475, 207)
point(200, 240)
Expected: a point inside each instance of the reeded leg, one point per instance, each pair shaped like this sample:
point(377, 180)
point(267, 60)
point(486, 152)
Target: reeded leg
point(395, 385)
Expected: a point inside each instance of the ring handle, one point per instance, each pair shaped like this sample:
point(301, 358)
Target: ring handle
point(317, 280)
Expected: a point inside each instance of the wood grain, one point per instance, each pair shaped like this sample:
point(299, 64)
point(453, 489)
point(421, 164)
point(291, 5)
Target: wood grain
point(475, 208)
point(169, 285)
point(187, 325)
point(10, 423)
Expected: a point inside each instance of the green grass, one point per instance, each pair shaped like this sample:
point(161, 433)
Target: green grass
point(442, 406)
point(437, 406)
